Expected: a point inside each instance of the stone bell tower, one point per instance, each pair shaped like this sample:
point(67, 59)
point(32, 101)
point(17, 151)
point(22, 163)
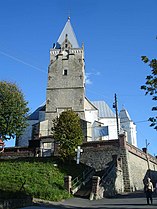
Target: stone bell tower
point(66, 76)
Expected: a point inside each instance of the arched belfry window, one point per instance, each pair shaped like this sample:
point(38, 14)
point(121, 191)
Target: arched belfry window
point(65, 72)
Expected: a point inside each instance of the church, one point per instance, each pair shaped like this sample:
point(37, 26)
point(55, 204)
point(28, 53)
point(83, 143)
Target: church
point(66, 91)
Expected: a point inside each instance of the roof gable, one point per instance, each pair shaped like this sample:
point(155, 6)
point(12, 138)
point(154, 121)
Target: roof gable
point(89, 105)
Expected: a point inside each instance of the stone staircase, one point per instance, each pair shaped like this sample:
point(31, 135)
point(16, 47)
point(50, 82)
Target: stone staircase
point(86, 188)
point(82, 180)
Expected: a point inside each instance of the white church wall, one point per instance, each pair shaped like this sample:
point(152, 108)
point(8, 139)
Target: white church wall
point(89, 131)
point(44, 128)
point(134, 138)
point(130, 128)
point(112, 128)
point(91, 115)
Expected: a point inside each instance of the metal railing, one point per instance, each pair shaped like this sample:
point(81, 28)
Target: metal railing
point(107, 173)
point(82, 179)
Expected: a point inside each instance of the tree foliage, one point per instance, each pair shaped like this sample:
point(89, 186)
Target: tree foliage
point(150, 86)
point(67, 131)
point(13, 111)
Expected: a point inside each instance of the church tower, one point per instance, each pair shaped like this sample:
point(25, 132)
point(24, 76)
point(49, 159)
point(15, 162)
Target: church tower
point(128, 126)
point(66, 76)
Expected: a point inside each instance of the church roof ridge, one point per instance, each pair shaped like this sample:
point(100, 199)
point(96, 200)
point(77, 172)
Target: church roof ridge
point(68, 29)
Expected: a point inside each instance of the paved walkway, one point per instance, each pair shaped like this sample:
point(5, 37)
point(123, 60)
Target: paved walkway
point(133, 201)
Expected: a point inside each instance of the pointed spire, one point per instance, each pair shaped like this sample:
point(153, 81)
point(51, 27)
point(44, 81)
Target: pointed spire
point(68, 30)
point(124, 115)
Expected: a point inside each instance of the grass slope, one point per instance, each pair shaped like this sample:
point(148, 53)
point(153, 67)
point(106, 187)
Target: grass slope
point(38, 177)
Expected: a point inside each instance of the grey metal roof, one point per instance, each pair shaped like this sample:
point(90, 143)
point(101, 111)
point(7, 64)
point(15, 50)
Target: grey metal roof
point(35, 114)
point(71, 35)
point(104, 110)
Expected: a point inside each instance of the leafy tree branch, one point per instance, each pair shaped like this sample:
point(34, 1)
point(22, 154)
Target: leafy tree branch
point(13, 111)
point(150, 86)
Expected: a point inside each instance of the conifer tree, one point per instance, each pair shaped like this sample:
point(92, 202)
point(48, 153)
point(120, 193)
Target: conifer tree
point(68, 133)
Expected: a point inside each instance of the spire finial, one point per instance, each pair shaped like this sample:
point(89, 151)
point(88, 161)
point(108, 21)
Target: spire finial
point(68, 18)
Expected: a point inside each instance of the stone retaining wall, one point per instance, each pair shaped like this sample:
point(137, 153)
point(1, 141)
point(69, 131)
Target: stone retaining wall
point(139, 165)
point(134, 166)
point(16, 203)
point(14, 152)
point(99, 154)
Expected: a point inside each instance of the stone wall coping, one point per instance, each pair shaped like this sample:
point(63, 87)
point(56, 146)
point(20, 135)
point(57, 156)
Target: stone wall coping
point(17, 149)
point(17, 152)
point(140, 153)
point(114, 143)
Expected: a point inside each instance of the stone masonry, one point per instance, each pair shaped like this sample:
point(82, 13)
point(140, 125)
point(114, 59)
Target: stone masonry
point(65, 89)
point(132, 166)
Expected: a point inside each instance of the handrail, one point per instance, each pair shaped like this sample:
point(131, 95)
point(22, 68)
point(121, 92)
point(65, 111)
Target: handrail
point(108, 171)
point(82, 179)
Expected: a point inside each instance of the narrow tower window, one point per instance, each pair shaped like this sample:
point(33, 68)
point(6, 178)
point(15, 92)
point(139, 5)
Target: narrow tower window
point(65, 72)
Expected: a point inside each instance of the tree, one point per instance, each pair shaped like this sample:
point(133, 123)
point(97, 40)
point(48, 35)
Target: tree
point(67, 131)
point(150, 86)
point(13, 111)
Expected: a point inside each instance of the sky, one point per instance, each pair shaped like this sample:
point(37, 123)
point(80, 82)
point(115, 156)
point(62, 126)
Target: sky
point(115, 35)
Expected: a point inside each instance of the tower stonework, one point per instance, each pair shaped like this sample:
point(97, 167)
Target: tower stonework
point(66, 80)
point(66, 91)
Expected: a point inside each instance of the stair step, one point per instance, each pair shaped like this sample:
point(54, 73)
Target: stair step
point(83, 193)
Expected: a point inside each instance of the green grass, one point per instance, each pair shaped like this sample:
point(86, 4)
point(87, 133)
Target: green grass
point(38, 177)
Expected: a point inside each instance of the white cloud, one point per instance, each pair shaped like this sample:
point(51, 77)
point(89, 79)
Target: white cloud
point(88, 77)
